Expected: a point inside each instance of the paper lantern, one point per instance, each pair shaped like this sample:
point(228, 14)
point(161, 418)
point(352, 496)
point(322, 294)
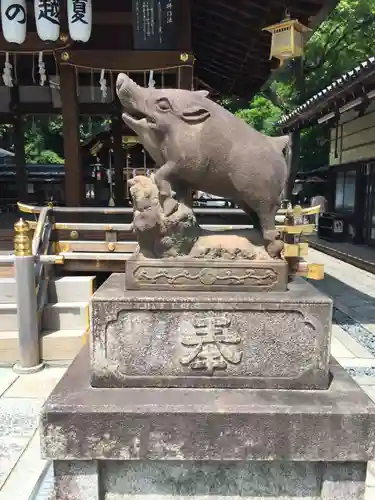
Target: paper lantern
point(80, 19)
point(287, 39)
point(47, 19)
point(13, 20)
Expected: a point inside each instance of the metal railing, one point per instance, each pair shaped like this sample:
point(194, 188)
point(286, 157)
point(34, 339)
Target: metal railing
point(29, 261)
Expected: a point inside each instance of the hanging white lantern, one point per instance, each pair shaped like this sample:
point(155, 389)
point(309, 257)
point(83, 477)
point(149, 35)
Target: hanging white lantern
point(80, 20)
point(47, 19)
point(13, 20)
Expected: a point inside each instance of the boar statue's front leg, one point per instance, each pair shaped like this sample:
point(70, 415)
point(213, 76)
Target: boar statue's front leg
point(165, 189)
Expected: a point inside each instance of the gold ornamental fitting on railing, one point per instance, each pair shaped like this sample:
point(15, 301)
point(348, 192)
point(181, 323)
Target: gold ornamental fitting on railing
point(22, 240)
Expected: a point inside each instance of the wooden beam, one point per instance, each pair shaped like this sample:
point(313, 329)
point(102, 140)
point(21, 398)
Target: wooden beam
point(125, 60)
point(102, 17)
point(72, 146)
point(246, 13)
point(218, 48)
point(32, 44)
point(46, 108)
point(226, 66)
point(208, 69)
point(108, 18)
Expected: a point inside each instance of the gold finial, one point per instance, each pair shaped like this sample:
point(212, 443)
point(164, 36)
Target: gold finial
point(22, 240)
point(65, 56)
point(184, 57)
point(74, 235)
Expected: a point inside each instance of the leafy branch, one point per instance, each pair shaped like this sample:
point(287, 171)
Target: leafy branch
point(330, 47)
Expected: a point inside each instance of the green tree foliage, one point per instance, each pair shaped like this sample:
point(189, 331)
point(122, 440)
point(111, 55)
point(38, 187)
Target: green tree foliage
point(262, 114)
point(343, 41)
point(44, 143)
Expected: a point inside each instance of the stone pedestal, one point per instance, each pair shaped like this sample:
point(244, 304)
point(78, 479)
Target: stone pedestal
point(208, 339)
point(155, 443)
point(156, 428)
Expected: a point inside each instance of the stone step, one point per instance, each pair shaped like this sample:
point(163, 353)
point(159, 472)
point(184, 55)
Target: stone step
point(8, 317)
point(65, 289)
point(66, 316)
point(6, 270)
point(60, 316)
point(56, 345)
point(71, 289)
point(61, 345)
point(7, 290)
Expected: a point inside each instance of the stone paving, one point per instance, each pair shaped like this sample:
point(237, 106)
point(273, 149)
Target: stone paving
point(25, 476)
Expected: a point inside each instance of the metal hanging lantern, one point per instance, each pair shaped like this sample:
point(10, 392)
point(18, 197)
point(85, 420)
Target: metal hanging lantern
point(287, 39)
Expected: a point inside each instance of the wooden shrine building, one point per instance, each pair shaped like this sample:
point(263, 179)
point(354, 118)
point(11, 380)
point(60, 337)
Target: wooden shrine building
point(347, 108)
point(214, 44)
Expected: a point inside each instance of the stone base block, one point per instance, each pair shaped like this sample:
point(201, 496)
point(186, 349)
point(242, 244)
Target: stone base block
point(83, 423)
point(199, 444)
point(210, 339)
point(125, 480)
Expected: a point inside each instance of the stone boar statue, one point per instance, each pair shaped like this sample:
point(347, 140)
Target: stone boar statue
point(199, 145)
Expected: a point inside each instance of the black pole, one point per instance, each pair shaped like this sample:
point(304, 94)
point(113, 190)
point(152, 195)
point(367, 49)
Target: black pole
point(295, 139)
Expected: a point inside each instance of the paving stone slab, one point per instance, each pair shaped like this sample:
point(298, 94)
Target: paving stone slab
point(19, 417)
point(11, 449)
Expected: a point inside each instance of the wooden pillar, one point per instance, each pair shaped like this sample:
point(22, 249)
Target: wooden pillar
point(185, 73)
point(19, 150)
point(19, 144)
point(185, 77)
point(359, 215)
point(74, 188)
point(118, 160)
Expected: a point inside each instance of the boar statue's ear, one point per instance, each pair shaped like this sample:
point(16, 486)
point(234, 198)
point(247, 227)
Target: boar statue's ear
point(203, 93)
point(131, 182)
point(195, 114)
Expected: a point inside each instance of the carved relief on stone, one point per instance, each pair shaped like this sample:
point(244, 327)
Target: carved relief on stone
point(207, 276)
point(212, 347)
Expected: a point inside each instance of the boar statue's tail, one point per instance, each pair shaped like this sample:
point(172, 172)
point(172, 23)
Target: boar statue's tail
point(282, 143)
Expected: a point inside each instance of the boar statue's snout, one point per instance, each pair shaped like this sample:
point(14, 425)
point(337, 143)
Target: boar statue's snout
point(128, 91)
point(123, 85)
point(121, 81)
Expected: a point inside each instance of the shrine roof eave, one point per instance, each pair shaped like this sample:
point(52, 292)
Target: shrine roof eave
point(353, 86)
